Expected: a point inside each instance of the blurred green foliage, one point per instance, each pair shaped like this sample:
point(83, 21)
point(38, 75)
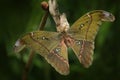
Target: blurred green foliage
point(18, 17)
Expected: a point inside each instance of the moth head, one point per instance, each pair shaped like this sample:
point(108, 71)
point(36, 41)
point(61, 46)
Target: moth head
point(19, 45)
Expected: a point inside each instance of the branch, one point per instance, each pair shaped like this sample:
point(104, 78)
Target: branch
point(45, 6)
point(54, 11)
point(44, 19)
point(60, 19)
point(27, 66)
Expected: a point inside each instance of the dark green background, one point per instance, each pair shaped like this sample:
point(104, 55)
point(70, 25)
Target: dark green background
point(20, 16)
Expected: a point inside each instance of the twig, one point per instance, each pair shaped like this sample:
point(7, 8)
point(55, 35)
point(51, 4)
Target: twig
point(27, 66)
point(45, 6)
point(44, 19)
point(54, 11)
point(60, 19)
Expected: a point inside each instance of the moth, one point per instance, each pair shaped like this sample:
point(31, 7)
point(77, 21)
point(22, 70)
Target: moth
point(79, 37)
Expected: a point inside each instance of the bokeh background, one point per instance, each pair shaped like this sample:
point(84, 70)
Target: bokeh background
point(18, 17)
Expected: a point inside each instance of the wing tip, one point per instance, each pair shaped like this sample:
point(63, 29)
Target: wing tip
point(107, 16)
point(19, 45)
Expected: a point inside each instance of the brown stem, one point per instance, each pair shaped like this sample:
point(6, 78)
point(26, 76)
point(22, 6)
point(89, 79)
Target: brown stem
point(27, 66)
point(45, 7)
point(43, 21)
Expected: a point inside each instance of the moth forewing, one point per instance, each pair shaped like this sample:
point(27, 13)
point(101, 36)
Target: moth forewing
point(41, 42)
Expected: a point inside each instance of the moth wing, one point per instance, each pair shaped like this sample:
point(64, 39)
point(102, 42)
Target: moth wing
point(48, 45)
point(84, 31)
point(41, 42)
